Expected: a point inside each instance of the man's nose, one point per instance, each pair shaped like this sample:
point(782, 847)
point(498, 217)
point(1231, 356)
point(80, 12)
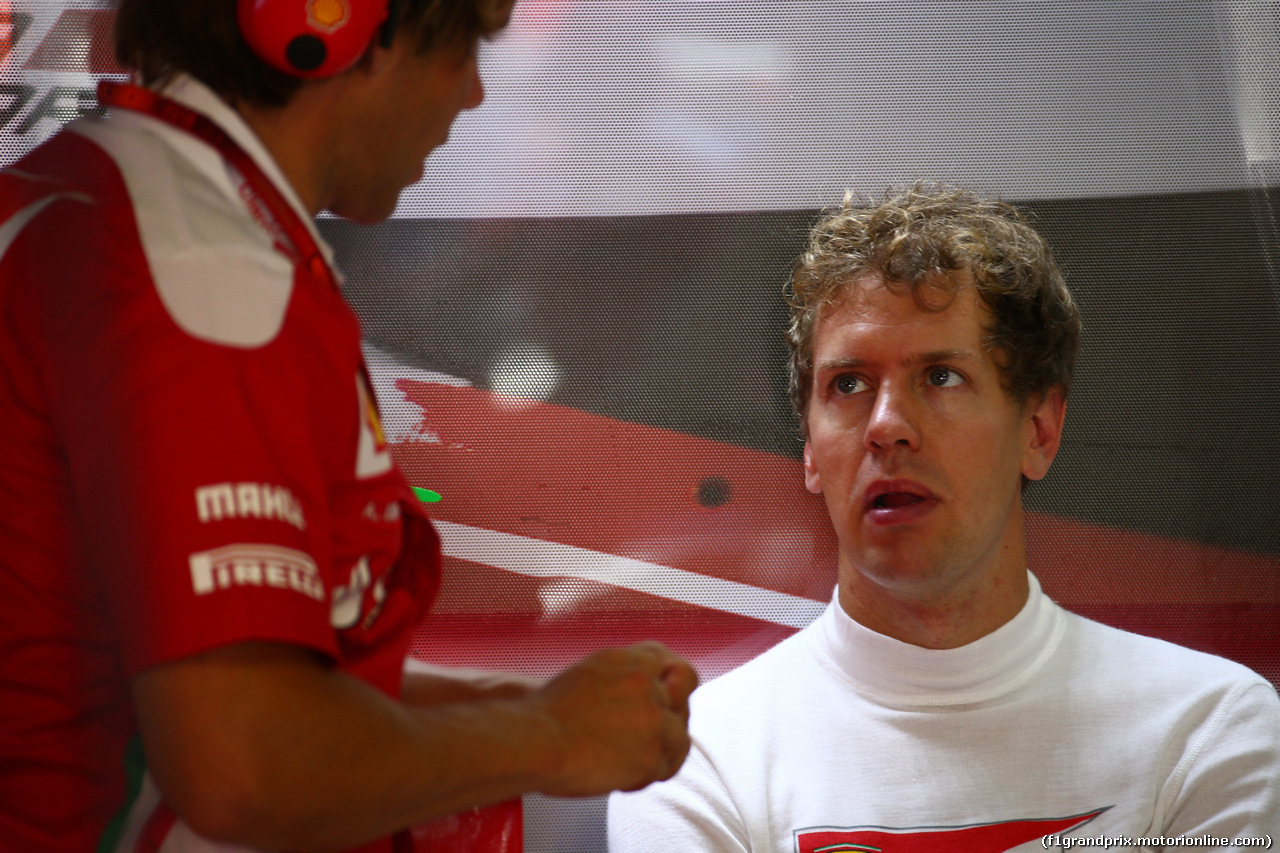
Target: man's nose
point(893, 421)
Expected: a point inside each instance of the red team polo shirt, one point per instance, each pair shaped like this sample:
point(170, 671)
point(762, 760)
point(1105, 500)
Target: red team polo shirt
point(191, 458)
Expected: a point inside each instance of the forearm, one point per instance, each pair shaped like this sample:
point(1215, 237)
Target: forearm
point(284, 754)
point(426, 685)
point(260, 745)
point(412, 765)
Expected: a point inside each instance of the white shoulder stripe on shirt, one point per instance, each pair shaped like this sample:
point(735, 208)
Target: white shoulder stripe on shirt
point(214, 267)
point(13, 226)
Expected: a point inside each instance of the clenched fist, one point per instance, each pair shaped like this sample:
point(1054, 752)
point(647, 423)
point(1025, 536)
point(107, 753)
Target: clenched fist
point(622, 717)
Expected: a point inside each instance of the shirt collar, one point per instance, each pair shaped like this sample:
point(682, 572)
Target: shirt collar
point(901, 674)
point(195, 95)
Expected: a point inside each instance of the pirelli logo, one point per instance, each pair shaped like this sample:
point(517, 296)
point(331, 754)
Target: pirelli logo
point(248, 500)
point(255, 565)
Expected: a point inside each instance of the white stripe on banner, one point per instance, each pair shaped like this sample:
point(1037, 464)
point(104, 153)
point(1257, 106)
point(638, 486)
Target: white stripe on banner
point(541, 559)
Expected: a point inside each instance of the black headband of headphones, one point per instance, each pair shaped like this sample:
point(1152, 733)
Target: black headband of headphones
point(387, 33)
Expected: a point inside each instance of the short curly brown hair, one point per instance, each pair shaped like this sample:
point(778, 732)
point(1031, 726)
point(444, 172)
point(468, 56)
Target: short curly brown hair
point(929, 236)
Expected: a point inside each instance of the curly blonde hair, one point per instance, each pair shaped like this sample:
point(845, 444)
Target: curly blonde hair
point(929, 239)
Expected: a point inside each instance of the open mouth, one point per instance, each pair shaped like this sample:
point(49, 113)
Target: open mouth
point(898, 501)
point(895, 500)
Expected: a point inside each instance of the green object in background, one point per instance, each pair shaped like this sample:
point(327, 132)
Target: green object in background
point(426, 495)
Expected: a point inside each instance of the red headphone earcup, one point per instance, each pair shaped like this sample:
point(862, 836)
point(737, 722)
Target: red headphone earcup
point(310, 38)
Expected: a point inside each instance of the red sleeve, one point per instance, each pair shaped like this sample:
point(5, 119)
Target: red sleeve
point(199, 486)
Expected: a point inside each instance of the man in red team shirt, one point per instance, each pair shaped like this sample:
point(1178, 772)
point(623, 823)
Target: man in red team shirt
point(210, 566)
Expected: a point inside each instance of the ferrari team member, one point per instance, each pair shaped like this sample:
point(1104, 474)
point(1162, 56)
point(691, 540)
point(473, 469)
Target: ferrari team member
point(210, 566)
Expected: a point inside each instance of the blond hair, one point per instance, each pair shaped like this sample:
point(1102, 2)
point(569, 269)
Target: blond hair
point(928, 240)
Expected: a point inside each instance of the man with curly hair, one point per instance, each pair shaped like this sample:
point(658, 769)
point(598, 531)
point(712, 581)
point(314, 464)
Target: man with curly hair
point(942, 702)
point(210, 566)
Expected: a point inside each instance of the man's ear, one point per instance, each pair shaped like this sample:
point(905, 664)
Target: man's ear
point(812, 480)
point(1045, 418)
point(379, 55)
point(376, 59)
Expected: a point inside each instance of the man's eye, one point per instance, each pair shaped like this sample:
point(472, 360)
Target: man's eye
point(847, 384)
point(944, 377)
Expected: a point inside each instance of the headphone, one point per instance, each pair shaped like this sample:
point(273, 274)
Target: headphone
point(315, 38)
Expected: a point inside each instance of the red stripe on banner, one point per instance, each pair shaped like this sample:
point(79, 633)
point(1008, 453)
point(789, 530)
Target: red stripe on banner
point(715, 642)
point(553, 474)
point(1083, 563)
point(563, 475)
point(1246, 632)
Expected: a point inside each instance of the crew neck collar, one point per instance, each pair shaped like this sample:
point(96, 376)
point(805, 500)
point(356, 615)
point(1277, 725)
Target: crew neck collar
point(899, 673)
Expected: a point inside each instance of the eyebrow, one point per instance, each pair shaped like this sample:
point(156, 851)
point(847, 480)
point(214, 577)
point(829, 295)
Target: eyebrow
point(924, 358)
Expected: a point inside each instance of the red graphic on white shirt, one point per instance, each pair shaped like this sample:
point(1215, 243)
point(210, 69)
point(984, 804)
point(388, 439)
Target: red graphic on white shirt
point(980, 838)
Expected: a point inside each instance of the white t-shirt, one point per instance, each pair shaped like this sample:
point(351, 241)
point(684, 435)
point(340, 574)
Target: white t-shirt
point(841, 739)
